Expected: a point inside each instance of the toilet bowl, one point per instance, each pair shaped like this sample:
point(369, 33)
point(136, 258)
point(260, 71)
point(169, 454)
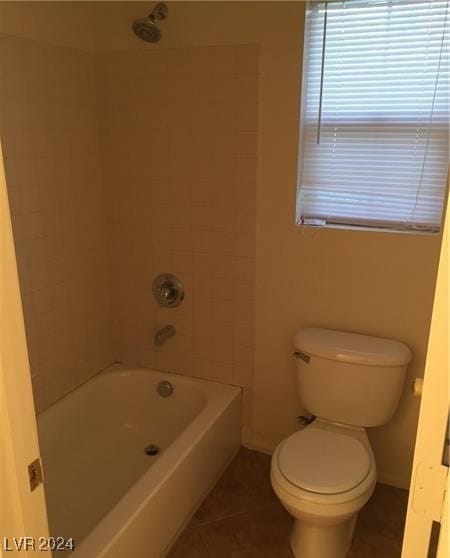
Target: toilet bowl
point(323, 475)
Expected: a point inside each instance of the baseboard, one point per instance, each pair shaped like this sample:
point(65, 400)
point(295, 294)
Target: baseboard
point(246, 436)
point(253, 441)
point(392, 480)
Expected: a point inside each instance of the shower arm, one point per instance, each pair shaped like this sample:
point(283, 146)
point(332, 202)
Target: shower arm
point(159, 12)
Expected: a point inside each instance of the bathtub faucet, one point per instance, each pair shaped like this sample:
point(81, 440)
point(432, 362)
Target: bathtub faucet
point(163, 334)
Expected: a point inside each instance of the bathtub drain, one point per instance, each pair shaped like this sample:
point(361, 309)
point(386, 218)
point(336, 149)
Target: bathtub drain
point(152, 449)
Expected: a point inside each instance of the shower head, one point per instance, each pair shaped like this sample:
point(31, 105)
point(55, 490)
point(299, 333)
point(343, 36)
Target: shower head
point(146, 29)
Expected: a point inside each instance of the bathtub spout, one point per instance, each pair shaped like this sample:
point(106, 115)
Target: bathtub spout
point(163, 334)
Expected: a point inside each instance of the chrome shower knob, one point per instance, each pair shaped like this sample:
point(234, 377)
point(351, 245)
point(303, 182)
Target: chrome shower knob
point(168, 290)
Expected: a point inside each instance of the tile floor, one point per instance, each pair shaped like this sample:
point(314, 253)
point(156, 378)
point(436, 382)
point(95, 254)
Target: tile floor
point(242, 518)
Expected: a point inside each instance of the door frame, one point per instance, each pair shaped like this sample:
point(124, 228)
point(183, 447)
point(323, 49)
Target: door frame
point(22, 510)
point(428, 495)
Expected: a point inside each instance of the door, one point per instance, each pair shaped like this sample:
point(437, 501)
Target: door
point(23, 516)
point(428, 496)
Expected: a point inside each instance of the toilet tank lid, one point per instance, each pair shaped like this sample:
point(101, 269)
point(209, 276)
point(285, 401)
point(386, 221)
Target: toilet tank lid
point(353, 348)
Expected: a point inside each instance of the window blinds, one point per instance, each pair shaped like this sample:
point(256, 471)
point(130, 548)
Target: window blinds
point(374, 146)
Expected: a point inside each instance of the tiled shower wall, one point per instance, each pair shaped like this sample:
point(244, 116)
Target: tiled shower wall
point(179, 146)
point(49, 133)
point(140, 163)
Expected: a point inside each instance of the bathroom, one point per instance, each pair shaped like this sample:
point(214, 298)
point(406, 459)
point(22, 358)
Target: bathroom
point(126, 159)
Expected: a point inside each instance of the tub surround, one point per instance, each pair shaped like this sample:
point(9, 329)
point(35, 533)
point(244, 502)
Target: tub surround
point(178, 131)
point(91, 185)
point(50, 142)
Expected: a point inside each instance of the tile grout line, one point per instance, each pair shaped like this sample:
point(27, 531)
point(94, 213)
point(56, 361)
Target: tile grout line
point(222, 518)
point(237, 514)
point(211, 523)
point(205, 546)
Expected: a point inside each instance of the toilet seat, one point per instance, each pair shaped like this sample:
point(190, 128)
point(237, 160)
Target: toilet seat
point(323, 462)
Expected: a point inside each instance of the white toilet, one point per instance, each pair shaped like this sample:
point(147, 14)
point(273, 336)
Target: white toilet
point(325, 473)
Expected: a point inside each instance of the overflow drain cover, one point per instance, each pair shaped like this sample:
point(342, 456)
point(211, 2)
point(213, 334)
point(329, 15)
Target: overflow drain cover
point(152, 449)
point(164, 388)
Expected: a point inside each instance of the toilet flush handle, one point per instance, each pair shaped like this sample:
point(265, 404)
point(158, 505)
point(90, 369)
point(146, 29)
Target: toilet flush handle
point(302, 356)
point(304, 420)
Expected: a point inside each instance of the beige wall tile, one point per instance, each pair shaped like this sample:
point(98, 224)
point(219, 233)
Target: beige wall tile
point(203, 263)
point(223, 332)
point(245, 245)
point(223, 310)
point(203, 308)
point(245, 268)
point(50, 141)
point(173, 362)
point(202, 368)
point(223, 266)
point(222, 372)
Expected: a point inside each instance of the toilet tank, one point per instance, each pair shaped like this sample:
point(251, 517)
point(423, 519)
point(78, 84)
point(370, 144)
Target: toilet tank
point(349, 378)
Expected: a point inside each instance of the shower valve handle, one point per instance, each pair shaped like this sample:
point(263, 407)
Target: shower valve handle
point(168, 290)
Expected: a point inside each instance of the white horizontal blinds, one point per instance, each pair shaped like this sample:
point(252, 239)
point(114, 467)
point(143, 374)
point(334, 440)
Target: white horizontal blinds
point(380, 91)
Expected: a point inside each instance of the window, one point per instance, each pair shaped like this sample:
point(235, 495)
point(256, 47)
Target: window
point(374, 145)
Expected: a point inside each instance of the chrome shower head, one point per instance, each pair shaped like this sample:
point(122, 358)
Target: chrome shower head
point(146, 29)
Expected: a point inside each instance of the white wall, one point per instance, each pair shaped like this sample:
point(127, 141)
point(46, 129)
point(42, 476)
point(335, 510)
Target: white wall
point(68, 24)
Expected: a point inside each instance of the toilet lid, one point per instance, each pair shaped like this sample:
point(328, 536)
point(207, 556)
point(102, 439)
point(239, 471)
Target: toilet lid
point(323, 461)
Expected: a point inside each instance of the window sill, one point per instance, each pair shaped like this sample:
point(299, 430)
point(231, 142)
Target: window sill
point(310, 229)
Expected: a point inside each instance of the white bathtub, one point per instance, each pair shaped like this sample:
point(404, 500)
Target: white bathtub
point(101, 487)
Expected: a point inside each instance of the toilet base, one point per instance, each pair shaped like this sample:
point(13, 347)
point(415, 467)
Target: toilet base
point(313, 541)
